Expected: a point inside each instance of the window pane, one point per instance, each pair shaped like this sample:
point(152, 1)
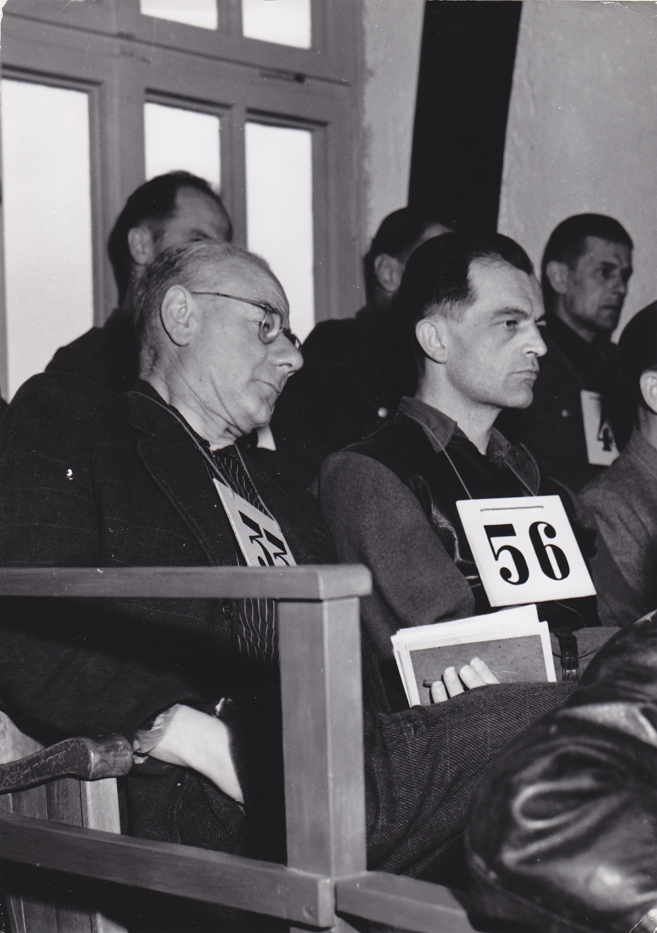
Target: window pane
point(182, 139)
point(279, 212)
point(202, 13)
point(286, 22)
point(47, 221)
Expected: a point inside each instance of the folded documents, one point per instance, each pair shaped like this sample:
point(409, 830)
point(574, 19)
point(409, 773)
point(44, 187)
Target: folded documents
point(512, 642)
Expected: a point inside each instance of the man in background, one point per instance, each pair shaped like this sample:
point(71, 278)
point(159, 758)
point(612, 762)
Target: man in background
point(357, 369)
point(169, 210)
point(586, 268)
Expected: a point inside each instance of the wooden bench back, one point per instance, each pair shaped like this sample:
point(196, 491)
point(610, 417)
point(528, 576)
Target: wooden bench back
point(92, 804)
point(325, 879)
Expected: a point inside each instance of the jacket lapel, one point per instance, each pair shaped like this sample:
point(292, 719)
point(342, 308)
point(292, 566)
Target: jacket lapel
point(180, 471)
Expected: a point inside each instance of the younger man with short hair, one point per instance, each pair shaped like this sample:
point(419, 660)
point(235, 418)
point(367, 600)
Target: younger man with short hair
point(473, 310)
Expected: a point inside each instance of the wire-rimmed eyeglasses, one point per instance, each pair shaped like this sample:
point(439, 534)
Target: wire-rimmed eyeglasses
point(270, 327)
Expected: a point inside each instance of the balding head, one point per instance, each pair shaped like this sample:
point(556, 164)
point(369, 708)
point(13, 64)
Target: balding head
point(194, 265)
point(213, 322)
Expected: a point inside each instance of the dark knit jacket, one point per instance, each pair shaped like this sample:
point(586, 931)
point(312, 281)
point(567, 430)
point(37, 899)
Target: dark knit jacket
point(390, 502)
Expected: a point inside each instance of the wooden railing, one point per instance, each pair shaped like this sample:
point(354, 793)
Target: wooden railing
point(325, 881)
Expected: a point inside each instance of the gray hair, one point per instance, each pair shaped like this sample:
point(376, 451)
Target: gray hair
point(186, 265)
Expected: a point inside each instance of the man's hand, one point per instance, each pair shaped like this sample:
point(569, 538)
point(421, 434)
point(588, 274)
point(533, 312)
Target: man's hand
point(195, 740)
point(475, 674)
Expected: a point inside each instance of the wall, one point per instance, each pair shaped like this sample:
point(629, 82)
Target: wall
point(582, 130)
point(392, 32)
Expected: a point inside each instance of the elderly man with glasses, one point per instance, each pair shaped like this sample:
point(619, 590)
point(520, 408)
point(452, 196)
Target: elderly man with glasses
point(154, 477)
point(93, 478)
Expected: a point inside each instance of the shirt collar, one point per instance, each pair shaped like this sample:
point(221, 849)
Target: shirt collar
point(440, 428)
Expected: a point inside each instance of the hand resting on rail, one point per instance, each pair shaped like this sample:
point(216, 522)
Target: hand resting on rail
point(193, 739)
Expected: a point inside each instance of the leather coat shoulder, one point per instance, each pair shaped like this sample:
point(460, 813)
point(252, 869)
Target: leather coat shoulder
point(563, 834)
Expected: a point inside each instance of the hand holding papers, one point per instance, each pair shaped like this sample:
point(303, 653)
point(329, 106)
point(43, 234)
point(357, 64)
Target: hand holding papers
point(512, 642)
point(475, 674)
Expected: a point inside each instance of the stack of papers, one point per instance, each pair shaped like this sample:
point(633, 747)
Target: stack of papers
point(512, 642)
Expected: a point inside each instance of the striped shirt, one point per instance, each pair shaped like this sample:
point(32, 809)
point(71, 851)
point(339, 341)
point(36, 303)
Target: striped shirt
point(256, 635)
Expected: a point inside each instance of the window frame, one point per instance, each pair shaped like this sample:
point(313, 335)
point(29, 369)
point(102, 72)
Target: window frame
point(87, 46)
point(331, 56)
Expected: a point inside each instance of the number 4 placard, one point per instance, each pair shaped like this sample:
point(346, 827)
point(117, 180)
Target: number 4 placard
point(525, 549)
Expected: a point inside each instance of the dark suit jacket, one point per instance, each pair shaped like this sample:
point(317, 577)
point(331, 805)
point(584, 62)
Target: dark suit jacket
point(91, 478)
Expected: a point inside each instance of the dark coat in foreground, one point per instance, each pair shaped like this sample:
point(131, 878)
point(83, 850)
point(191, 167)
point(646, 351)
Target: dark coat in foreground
point(563, 838)
point(89, 478)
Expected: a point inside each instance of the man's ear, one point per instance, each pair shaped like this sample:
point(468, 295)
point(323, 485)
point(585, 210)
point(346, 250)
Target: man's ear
point(557, 274)
point(429, 334)
point(388, 271)
point(178, 315)
point(648, 386)
point(142, 245)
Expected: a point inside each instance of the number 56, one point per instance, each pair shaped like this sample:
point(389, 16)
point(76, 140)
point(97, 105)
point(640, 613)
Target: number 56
point(551, 559)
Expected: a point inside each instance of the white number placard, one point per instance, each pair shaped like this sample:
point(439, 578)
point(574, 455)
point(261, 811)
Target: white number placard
point(525, 549)
point(601, 447)
point(259, 536)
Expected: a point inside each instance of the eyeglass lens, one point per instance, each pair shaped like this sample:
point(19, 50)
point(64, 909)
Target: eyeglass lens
point(270, 326)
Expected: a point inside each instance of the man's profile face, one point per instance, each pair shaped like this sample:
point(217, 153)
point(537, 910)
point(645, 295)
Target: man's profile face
point(596, 286)
point(196, 217)
point(237, 376)
point(493, 348)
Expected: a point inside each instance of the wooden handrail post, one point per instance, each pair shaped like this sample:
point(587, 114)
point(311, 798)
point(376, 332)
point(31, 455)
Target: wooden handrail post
point(323, 738)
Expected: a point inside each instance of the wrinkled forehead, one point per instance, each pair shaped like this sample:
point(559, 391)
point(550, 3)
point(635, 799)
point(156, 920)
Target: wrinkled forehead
point(244, 278)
